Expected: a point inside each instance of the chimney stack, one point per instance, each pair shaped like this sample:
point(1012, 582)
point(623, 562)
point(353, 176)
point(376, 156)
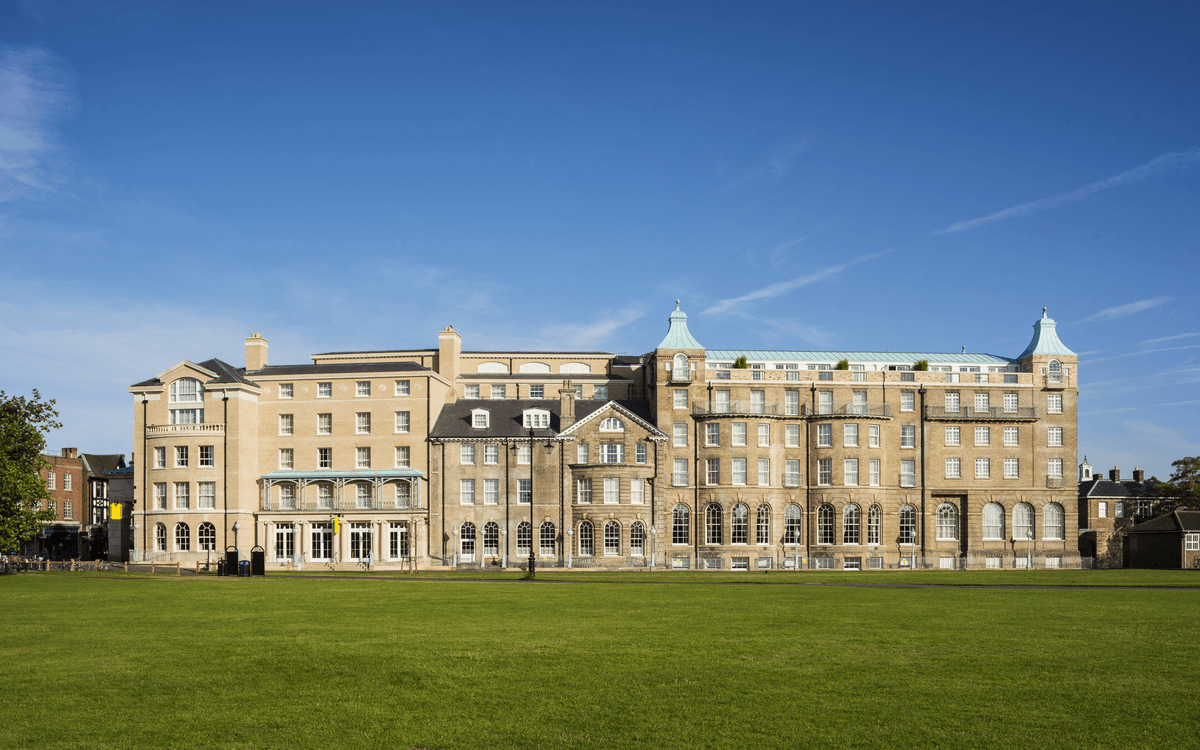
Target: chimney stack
point(256, 352)
point(449, 353)
point(1114, 474)
point(1138, 475)
point(566, 410)
point(70, 453)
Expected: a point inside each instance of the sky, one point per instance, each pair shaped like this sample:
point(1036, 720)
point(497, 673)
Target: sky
point(849, 176)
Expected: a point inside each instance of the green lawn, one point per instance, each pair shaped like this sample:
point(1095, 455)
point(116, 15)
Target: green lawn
point(113, 660)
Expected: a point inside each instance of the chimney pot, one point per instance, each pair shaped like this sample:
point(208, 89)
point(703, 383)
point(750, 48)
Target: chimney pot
point(1138, 475)
point(1114, 474)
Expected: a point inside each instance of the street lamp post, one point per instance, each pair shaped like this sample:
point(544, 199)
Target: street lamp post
point(1029, 548)
point(236, 525)
point(569, 535)
point(532, 558)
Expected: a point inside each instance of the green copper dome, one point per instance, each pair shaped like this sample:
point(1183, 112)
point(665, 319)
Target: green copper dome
point(678, 336)
point(1045, 340)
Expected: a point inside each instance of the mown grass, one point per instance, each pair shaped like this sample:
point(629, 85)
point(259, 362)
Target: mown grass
point(111, 660)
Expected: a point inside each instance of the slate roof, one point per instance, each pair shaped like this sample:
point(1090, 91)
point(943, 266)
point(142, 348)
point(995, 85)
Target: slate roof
point(1107, 488)
point(226, 373)
point(1180, 520)
point(505, 420)
point(100, 464)
point(273, 371)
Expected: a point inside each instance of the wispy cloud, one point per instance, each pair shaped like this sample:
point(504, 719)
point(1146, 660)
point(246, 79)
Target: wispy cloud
point(1120, 311)
point(35, 91)
point(1137, 173)
point(782, 287)
point(589, 334)
point(1176, 337)
point(1164, 437)
point(777, 164)
point(1141, 353)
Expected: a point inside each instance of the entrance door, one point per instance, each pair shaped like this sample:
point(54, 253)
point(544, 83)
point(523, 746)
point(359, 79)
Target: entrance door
point(285, 541)
point(398, 541)
point(360, 542)
point(322, 541)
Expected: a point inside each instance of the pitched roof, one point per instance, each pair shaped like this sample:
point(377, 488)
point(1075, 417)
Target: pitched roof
point(505, 416)
point(1123, 489)
point(99, 464)
point(678, 336)
point(340, 368)
point(1179, 520)
point(226, 373)
point(834, 356)
point(1045, 340)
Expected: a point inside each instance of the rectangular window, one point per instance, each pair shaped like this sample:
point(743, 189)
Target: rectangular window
point(286, 458)
point(324, 390)
point(791, 403)
point(499, 391)
point(982, 402)
point(680, 435)
point(600, 392)
point(983, 436)
point(466, 491)
point(712, 471)
point(679, 473)
point(791, 472)
point(907, 377)
point(285, 390)
point(791, 436)
point(471, 391)
point(160, 495)
point(612, 490)
point(758, 402)
point(285, 424)
point(1120, 509)
point(160, 458)
point(578, 392)
point(206, 457)
point(1010, 403)
point(824, 402)
point(181, 456)
point(908, 473)
point(1054, 403)
point(66, 480)
point(324, 424)
point(721, 403)
point(1012, 436)
point(681, 401)
point(491, 492)
point(983, 468)
point(712, 433)
point(850, 469)
point(403, 423)
point(403, 388)
point(182, 495)
point(362, 458)
point(739, 471)
point(640, 453)
point(1191, 543)
point(581, 454)
point(612, 453)
point(1055, 468)
point(491, 454)
point(1012, 468)
point(875, 472)
point(207, 495)
point(764, 435)
point(908, 401)
point(1102, 509)
point(362, 423)
point(524, 453)
point(583, 491)
point(739, 433)
point(952, 401)
point(954, 436)
point(824, 436)
point(362, 388)
point(824, 471)
point(636, 491)
point(1054, 437)
point(981, 377)
point(858, 377)
point(908, 436)
point(824, 376)
point(953, 468)
point(850, 435)
point(466, 454)
point(66, 507)
point(873, 435)
point(324, 458)
point(403, 457)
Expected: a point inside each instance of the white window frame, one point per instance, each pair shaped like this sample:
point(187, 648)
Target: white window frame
point(362, 458)
point(403, 388)
point(466, 492)
point(362, 389)
point(362, 423)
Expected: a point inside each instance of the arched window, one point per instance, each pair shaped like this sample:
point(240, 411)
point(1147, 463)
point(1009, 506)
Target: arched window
point(712, 524)
point(466, 535)
point(612, 538)
point(524, 538)
point(637, 538)
point(1022, 522)
point(491, 538)
point(791, 525)
point(681, 532)
point(993, 521)
point(611, 424)
point(1054, 370)
point(549, 539)
point(739, 525)
point(851, 517)
point(183, 537)
point(187, 391)
point(160, 537)
point(207, 536)
point(874, 524)
point(587, 539)
point(763, 532)
point(947, 521)
point(908, 525)
point(681, 364)
point(825, 524)
point(1052, 521)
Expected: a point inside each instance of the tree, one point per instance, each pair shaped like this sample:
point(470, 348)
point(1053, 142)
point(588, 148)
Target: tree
point(1182, 489)
point(23, 427)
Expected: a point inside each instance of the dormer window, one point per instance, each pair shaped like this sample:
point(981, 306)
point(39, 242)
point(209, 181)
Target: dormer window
point(612, 424)
point(536, 419)
point(480, 418)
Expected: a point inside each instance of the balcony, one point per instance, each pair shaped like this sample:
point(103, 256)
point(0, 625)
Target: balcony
point(184, 429)
point(336, 504)
point(677, 376)
point(773, 408)
point(1056, 483)
point(870, 410)
point(971, 414)
point(1055, 382)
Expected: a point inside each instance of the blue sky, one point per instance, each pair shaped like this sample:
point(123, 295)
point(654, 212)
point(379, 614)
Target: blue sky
point(860, 176)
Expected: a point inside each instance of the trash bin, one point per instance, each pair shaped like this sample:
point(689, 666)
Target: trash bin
point(244, 569)
point(258, 561)
point(221, 567)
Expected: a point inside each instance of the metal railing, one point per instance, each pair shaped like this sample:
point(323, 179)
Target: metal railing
point(350, 503)
point(773, 408)
point(185, 429)
point(851, 409)
point(1054, 381)
point(999, 413)
point(681, 377)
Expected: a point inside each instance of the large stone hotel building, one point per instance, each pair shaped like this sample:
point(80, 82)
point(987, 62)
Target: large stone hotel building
point(683, 457)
